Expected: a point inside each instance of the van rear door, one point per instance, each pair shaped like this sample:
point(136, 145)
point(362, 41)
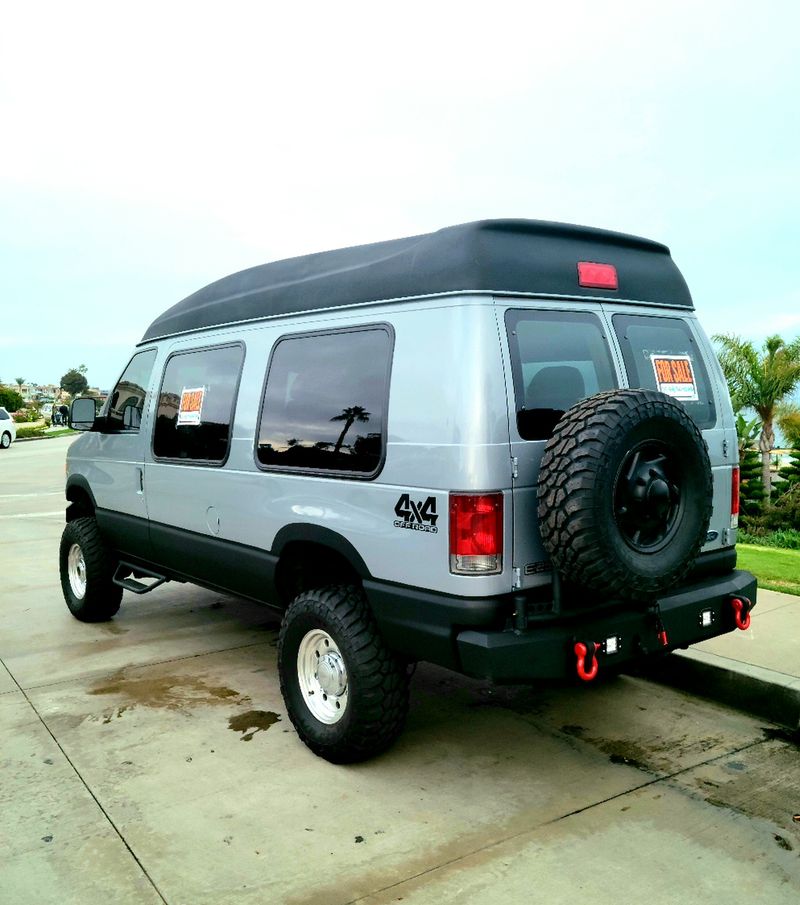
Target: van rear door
point(668, 351)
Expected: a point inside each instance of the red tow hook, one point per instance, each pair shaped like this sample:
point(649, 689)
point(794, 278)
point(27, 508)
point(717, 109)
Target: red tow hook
point(741, 612)
point(582, 652)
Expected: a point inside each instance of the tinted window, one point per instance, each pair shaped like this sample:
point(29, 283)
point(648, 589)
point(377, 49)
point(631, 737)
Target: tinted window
point(4, 416)
point(557, 358)
point(660, 353)
point(125, 406)
point(195, 406)
point(325, 401)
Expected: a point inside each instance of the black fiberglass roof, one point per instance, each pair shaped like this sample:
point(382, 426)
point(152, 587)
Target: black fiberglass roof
point(502, 256)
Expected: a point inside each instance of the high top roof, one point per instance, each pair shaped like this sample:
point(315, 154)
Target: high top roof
point(500, 256)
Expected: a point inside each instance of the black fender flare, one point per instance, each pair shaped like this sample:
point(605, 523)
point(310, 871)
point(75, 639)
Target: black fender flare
point(325, 537)
point(78, 485)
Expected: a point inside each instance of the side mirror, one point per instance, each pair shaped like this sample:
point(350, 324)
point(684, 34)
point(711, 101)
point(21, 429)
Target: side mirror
point(131, 417)
point(82, 414)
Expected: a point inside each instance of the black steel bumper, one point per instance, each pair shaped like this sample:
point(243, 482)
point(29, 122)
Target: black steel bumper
point(474, 635)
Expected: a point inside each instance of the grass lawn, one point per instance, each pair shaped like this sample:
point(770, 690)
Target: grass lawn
point(775, 569)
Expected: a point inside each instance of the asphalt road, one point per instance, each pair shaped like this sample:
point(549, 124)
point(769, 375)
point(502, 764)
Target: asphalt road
point(150, 759)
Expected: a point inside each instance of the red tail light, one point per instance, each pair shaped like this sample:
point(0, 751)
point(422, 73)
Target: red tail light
point(476, 533)
point(735, 497)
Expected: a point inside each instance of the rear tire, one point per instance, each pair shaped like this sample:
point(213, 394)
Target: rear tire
point(346, 693)
point(87, 569)
point(5, 440)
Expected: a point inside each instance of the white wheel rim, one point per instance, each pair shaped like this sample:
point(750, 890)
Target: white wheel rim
point(322, 675)
point(6, 441)
point(76, 571)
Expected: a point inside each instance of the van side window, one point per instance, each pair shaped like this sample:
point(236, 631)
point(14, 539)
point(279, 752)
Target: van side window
point(325, 402)
point(125, 405)
point(660, 353)
point(557, 359)
point(196, 403)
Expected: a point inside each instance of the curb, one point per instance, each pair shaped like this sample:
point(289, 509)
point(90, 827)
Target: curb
point(762, 692)
point(42, 437)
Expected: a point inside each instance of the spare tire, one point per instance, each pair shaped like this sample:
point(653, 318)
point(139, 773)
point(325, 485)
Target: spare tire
point(625, 493)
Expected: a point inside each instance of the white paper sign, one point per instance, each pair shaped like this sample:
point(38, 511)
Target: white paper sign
point(191, 407)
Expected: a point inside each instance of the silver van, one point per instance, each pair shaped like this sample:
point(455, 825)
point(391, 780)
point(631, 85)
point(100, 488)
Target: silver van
point(505, 447)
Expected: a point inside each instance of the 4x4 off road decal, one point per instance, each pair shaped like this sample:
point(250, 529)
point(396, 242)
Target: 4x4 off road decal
point(417, 516)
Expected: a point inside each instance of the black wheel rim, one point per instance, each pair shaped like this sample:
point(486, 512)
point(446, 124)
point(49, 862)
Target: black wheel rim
point(647, 496)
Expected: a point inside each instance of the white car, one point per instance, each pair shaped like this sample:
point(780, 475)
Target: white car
point(8, 429)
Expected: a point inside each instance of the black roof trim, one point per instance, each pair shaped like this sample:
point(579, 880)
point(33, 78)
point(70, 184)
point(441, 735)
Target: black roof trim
point(504, 256)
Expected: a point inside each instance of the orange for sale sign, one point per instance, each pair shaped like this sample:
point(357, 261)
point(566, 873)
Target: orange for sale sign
point(191, 407)
point(675, 376)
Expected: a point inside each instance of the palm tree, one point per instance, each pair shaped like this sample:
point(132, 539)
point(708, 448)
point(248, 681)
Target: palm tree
point(760, 380)
point(789, 423)
point(349, 415)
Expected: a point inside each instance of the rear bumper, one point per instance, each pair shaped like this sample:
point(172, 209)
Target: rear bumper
point(474, 636)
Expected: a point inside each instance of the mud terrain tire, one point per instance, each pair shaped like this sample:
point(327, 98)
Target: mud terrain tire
point(336, 623)
point(625, 493)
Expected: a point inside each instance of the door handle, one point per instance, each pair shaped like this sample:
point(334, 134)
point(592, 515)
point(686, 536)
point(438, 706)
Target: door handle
point(140, 480)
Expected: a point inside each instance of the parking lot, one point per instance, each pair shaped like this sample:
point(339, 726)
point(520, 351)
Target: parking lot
point(149, 759)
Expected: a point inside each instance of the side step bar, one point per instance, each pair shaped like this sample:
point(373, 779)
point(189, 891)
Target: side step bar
point(124, 578)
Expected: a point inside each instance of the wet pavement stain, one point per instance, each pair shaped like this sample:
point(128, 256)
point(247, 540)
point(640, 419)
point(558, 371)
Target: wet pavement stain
point(251, 722)
point(169, 692)
point(113, 628)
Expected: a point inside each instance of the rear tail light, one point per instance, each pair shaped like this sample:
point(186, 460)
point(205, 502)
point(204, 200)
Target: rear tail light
point(476, 533)
point(735, 497)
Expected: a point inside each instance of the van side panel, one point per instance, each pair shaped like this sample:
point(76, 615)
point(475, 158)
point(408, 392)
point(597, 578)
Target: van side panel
point(447, 430)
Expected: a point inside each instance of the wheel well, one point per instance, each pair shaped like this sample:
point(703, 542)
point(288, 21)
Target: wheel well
point(304, 565)
point(80, 503)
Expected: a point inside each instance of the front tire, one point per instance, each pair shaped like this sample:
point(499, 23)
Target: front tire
point(346, 693)
point(5, 440)
point(87, 569)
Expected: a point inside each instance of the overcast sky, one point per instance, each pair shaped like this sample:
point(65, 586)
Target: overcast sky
point(147, 149)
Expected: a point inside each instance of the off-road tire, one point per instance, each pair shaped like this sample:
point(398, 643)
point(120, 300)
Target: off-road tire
point(378, 680)
point(5, 440)
point(578, 481)
point(102, 598)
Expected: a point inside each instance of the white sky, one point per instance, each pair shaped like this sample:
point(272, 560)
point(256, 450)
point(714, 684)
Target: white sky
point(147, 149)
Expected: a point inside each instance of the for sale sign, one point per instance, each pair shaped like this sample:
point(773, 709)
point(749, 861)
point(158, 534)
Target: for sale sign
point(191, 407)
point(675, 376)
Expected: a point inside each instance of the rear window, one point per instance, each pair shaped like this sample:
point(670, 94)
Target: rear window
point(557, 359)
point(660, 353)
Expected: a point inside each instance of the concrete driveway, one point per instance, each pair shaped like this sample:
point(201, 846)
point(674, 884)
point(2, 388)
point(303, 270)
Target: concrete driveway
point(149, 759)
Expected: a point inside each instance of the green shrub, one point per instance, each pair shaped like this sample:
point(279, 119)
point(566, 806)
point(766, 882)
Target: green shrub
point(27, 415)
point(10, 399)
point(32, 431)
point(786, 540)
point(783, 516)
point(751, 488)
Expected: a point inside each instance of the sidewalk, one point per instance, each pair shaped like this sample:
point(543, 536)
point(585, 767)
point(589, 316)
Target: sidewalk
point(757, 670)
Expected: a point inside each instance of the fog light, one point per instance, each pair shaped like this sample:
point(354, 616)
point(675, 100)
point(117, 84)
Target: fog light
point(706, 618)
point(612, 644)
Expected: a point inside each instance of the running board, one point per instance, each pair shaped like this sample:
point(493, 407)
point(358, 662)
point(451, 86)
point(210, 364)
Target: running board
point(123, 578)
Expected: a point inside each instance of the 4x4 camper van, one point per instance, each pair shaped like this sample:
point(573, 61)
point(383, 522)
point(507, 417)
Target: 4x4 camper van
point(505, 447)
